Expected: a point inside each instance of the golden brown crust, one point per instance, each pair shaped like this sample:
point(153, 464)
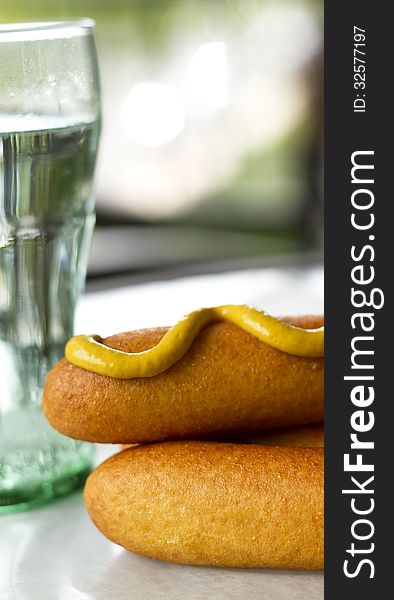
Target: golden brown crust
point(227, 381)
point(206, 503)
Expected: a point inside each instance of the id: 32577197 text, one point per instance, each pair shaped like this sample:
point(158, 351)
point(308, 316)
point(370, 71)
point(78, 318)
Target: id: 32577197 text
point(359, 68)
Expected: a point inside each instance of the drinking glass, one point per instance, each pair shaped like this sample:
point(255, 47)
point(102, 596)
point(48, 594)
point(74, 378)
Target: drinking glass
point(49, 131)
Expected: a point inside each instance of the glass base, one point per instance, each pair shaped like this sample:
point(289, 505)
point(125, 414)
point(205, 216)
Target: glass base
point(38, 464)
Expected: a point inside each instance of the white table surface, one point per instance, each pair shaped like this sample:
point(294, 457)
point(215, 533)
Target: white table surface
point(55, 552)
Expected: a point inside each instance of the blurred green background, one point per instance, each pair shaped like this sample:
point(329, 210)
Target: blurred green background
point(211, 151)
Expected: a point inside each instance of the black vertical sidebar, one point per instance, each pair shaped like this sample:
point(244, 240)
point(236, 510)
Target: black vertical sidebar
point(359, 353)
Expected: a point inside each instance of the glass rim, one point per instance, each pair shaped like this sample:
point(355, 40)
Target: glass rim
point(44, 30)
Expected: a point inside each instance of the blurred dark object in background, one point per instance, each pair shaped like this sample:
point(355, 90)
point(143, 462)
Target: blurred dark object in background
point(212, 141)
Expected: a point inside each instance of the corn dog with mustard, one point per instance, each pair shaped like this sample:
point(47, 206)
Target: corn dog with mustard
point(227, 379)
point(206, 503)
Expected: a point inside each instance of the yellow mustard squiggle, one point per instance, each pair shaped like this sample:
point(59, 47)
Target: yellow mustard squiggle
point(90, 353)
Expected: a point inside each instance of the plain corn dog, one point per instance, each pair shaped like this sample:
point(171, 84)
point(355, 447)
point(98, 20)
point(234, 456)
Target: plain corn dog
point(227, 381)
point(205, 503)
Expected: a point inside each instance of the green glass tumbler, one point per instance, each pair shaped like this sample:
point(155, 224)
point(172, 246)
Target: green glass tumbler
point(49, 131)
